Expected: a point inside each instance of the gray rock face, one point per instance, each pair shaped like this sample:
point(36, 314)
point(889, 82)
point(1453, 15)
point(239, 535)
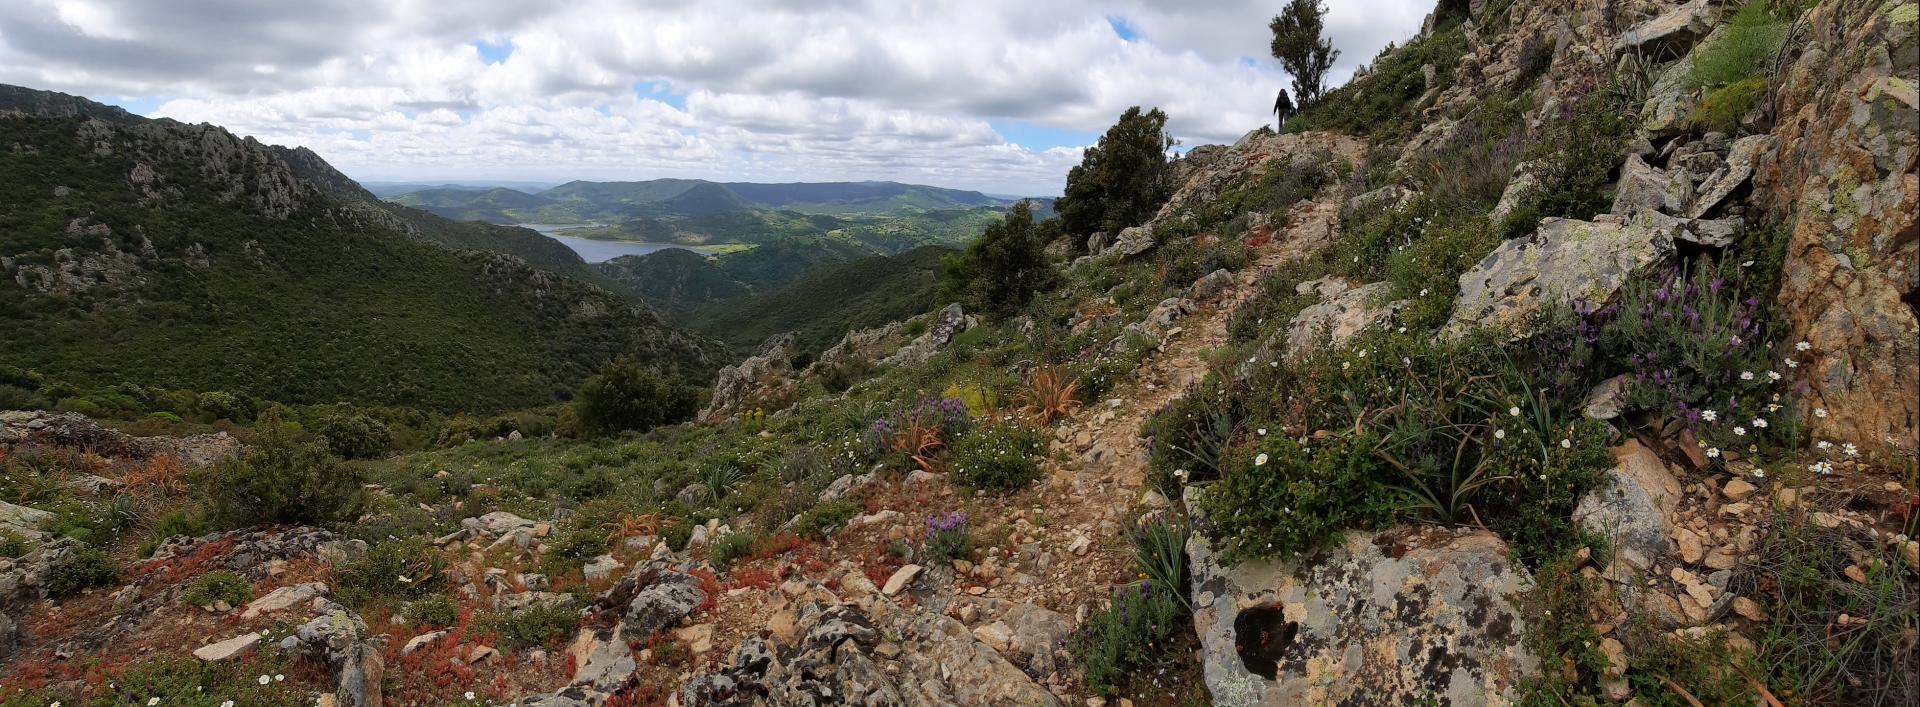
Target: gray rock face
point(1671, 101)
point(1522, 183)
point(497, 523)
point(1353, 624)
point(72, 429)
point(23, 521)
point(1132, 242)
point(1646, 187)
point(1745, 154)
point(871, 653)
point(667, 597)
point(1564, 261)
point(1671, 33)
point(1211, 284)
point(764, 380)
point(1342, 313)
point(1634, 508)
point(948, 322)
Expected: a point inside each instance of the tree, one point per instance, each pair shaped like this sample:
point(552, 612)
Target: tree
point(285, 477)
point(1282, 109)
point(1301, 50)
point(999, 273)
point(1121, 181)
point(625, 396)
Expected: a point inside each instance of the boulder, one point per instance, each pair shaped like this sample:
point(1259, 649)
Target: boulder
point(228, 649)
point(23, 521)
point(1746, 152)
point(284, 598)
point(600, 568)
point(1670, 102)
point(940, 330)
point(1132, 242)
point(1342, 314)
point(764, 381)
point(1671, 33)
point(1607, 399)
point(1634, 507)
point(901, 579)
point(1211, 284)
point(497, 523)
point(1519, 186)
point(1642, 186)
point(665, 600)
point(1379, 618)
point(1096, 243)
point(1564, 261)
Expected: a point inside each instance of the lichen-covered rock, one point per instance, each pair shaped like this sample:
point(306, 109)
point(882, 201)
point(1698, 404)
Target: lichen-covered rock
point(1744, 154)
point(23, 521)
point(940, 330)
point(764, 381)
point(1211, 284)
point(1564, 261)
point(1847, 118)
point(1672, 32)
point(1634, 507)
point(1131, 242)
point(1342, 313)
point(1380, 618)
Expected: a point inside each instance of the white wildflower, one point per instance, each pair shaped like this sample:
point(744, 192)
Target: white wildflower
point(1760, 423)
point(1775, 375)
point(1820, 412)
point(1850, 450)
point(1260, 460)
point(1739, 431)
point(1746, 375)
point(1802, 346)
point(1713, 452)
point(1566, 444)
point(1499, 434)
point(1709, 415)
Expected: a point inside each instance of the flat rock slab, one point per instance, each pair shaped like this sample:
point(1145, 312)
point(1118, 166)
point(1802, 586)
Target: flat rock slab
point(228, 649)
point(1376, 619)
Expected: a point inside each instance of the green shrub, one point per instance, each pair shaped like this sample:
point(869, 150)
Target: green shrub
point(1119, 642)
point(997, 457)
point(948, 538)
point(1742, 51)
point(572, 550)
point(218, 585)
point(13, 545)
point(435, 611)
point(86, 568)
point(181, 681)
point(216, 405)
point(1572, 160)
point(540, 625)
point(731, 547)
point(825, 518)
point(1160, 552)
point(399, 569)
point(284, 477)
point(1722, 109)
point(1287, 498)
point(676, 534)
point(1382, 103)
point(625, 396)
point(1188, 438)
point(164, 416)
point(352, 434)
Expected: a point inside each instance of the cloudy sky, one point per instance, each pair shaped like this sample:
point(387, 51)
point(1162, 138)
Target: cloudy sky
point(996, 95)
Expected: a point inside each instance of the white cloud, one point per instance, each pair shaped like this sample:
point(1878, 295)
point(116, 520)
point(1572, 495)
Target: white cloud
point(760, 89)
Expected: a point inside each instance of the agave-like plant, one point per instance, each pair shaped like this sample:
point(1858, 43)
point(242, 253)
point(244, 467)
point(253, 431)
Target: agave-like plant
point(1050, 396)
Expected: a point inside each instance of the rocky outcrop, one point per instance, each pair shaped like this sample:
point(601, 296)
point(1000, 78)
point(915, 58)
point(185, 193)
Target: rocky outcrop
point(1131, 242)
point(1564, 261)
point(1846, 121)
point(940, 330)
point(74, 430)
point(656, 597)
point(1343, 312)
point(874, 651)
point(765, 381)
point(1634, 507)
point(1672, 32)
point(1398, 617)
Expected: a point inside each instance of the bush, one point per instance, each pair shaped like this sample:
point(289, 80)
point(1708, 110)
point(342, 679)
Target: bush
point(1742, 51)
point(997, 457)
point(219, 585)
point(1572, 160)
point(398, 569)
point(436, 611)
point(947, 538)
point(1288, 498)
point(1122, 180)
point(216, 405)
point(1132, 633)
point(284, 477)
point(13, 545)
point(626, 397)
point(731, 547)
point(1160, 552)
point(1722, 109)
point(352, 434)
point(540, 625)
point(826, 518)
point(571, 551)
point(86, 568)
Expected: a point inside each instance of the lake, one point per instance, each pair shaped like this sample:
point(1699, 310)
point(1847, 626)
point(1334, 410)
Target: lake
point(594, 251)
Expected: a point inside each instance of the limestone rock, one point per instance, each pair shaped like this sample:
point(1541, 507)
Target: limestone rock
point(901, 579)
point(1132, 242)
point(284, 598)
point(764, 381)
point(1332, 628)
point(600, 568)
point(228, 649)
point(944, 325)
point(1671, 33)
point(23, 521)
point(1746, 153)
point(497, 523)
point(1211, 284)
point(1634, 506)
point(1341, 315)
point(1564, 261)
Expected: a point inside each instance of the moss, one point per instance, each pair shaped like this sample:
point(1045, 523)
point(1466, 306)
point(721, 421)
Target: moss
point(1722, 109)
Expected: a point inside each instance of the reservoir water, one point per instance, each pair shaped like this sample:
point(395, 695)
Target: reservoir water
point(597, 251)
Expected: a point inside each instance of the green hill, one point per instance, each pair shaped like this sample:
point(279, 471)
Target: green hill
point(677, 282)
point(826, 303)
point(162, 254)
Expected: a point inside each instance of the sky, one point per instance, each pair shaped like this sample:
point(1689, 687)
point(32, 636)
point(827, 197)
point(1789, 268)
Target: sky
point(993, 95)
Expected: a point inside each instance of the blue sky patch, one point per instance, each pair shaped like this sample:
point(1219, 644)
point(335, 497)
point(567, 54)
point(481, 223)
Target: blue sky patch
point(1040, 137)
point(494, 52)
point(1122, 29)
point(660, 91)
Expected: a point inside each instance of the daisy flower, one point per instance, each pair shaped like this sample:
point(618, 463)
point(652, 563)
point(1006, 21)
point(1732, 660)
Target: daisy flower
point(1739, 431)
point(1802, 346)
point(1709, 415)
point(1260, 460)
point(1713, 452)
point(1746, 375)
